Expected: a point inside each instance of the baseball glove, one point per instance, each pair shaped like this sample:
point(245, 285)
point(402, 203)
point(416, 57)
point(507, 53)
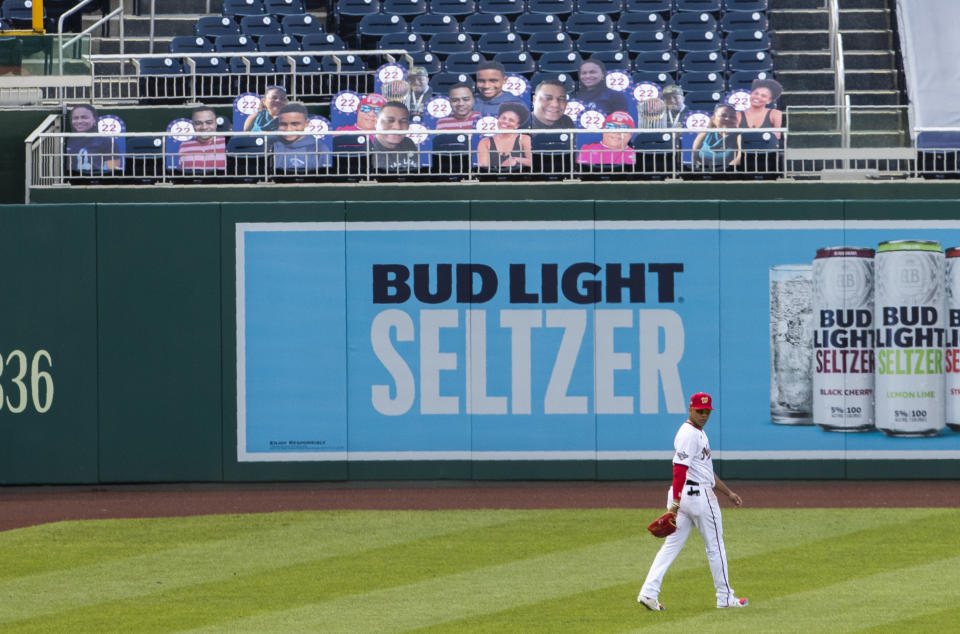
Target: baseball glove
point(663, 525)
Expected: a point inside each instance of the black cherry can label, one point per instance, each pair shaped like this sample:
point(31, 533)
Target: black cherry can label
point(951, 348)
point(843, 334)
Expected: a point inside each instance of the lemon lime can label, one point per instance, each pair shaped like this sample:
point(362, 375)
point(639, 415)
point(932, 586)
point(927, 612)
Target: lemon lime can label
point(909, 315)
point(843, 334)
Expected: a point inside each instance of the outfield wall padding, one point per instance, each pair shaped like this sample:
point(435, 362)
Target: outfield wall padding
point(130, 311)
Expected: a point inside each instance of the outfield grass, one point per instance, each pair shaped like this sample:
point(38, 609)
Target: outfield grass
point(804, 570)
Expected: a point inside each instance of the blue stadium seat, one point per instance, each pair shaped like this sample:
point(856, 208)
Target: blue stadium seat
point(430, 24)
point(700, 82)
point(376, 25)
point(751, 61)
point(342, 63)
point(503, 7)
point(747, 40)
point(613, 60)
point(406, 8)
point(450, 43)
point(656, 62)
point(322, 42)
point(703, 62)
point(709, 6)
point(653, 40)
point(410, 42)
point(745, 5)
point(212, 26)
point(519, 63)
point(284, 7)
point(234, 44)
point(252, 64)
point(602, 7)
point(480, 24)
point(742, 79)
point(689, 21)
point(640, 22)
point(554, 63)
point(648, 6)
point(304, 64)
point(190, 44)
point(530, 23)
point(550, 7)
point(599, 41)
point(540, 43)
point(427, 60)
point(462, 62)
point(278, 43)
point(301, 25)
point(18, 14)
point(688, 41)
point(209, 65)
point(493, 43)
point(458, 8)
point(656, 77)
point(440, 83)
point(356, 8)
point(161, 66)
point(259, 25)
point(242, 7)
point(705, 101)
point(736, 21)
point(568, 84)
point(580, 23)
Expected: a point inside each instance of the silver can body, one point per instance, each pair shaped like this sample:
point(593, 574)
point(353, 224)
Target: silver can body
point(791, 339)
point(951, 349)
point(909, 317)
point(843, 356)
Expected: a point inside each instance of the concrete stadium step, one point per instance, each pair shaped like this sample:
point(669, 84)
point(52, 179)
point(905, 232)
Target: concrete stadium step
point(857, 139)
point(827, 121)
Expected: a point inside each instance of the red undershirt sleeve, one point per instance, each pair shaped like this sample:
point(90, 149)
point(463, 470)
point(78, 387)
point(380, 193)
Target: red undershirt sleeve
point(679, 477)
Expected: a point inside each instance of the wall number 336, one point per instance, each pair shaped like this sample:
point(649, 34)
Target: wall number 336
point(22, 381)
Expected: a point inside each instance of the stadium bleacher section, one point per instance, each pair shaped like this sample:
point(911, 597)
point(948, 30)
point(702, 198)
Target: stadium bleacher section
point(714, 50)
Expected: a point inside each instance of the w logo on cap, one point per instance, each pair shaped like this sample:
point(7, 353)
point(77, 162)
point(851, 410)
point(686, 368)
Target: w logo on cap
point(701, 400)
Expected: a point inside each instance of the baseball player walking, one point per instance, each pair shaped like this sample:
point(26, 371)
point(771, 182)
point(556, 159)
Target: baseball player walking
point(694, 502)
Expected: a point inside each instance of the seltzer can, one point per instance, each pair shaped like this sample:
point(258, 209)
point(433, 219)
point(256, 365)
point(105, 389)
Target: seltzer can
point(791, 347)
point(909, 317)
point(843, 357)
point(951, 349)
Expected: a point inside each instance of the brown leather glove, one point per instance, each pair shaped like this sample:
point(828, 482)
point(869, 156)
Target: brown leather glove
point(664, 525)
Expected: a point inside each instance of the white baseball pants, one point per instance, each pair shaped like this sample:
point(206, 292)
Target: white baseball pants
point(698, 507)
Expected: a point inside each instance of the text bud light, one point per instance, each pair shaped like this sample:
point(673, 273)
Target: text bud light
point(843, 362)
point(951, 350)
point(908, 312)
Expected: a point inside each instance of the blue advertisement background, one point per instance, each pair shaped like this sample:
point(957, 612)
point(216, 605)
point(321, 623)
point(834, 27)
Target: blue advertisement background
point(310, 365)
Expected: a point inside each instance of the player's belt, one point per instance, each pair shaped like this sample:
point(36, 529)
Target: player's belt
point(692, 483)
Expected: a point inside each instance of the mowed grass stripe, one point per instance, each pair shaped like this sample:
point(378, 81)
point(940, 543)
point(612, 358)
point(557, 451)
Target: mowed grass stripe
point(472, 596)
point(688, 587)
point(329, 534)
point(285, 587)
point(82, 543)
point(852, 606)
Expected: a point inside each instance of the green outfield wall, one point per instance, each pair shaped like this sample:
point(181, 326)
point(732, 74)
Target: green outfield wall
point(120, 353)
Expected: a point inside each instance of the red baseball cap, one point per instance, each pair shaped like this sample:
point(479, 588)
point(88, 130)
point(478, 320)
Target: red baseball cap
point(620, 117)
point(373, 99)
point(701, 400)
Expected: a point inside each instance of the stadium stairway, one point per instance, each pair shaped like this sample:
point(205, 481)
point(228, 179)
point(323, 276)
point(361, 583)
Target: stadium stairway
point(804, 67)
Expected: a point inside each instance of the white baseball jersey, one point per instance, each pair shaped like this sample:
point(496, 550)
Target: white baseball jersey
point(691, 448)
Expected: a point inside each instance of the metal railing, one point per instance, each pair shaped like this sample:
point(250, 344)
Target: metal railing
point(119, 78)
point(846, 138)
point(138, 158)
point(116, 13)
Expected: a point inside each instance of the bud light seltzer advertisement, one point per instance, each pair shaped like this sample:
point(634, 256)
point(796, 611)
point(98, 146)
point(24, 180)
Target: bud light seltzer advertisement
point(583, 340)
